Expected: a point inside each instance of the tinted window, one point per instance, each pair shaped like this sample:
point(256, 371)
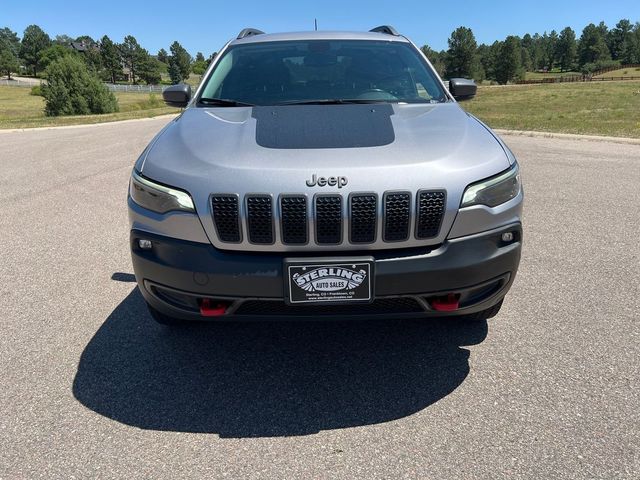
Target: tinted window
point(289, 71)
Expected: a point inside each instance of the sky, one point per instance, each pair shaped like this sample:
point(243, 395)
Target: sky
point(206, 26)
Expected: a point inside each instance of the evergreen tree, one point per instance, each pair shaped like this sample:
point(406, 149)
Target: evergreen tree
point(131, 53)
point(508, 64)
point(8, 60)
point(180, 60)
point(462, 58)
point(163, 56)
point(34, 41)
point(592, 47)
point(111, 61)
point(436, 59)
point(149, 68)
point(566, 49)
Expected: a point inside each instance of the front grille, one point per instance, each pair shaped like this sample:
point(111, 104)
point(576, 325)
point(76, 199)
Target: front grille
point(397, 216)
point(226, 218)
point(293, 210)
point(364, 218)
point(381, 306)
point(329, 219)
point(260, 219)
point(325, 221)
point(430, 212)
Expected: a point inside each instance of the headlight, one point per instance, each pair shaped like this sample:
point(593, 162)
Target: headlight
point(156, 197)
point(495, 190)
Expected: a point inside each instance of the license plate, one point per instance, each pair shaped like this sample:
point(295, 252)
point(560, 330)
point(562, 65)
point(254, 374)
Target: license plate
point(323, 281)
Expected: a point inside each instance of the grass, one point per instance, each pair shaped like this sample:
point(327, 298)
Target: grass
point(630, 72)
point(602, 108)
point(553, 74)
point(19, 109)
point(607, 108)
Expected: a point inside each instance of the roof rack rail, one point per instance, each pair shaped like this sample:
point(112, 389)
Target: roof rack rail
point(388, 29)
point(248, 32)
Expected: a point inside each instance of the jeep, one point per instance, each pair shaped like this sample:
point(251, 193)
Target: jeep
point(324, 174)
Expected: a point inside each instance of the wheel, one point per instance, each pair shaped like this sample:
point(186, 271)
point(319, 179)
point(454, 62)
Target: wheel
point(482, 315)
point(163, 319)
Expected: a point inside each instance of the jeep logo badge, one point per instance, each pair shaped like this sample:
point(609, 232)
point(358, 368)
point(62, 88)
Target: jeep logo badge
point(324, 181)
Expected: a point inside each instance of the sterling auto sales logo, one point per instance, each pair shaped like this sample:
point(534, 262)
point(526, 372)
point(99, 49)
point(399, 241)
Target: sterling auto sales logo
point(330, 279)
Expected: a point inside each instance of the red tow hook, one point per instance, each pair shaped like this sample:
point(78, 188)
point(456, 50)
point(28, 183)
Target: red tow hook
point(446, 304)
point(210, 309)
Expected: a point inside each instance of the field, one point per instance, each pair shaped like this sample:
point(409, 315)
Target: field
point(20, 109)
point(554, 74)
point(622, 72)
point(607, 108)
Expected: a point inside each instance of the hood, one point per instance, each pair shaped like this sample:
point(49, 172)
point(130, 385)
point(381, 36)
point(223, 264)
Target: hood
point(222, 149)
point(365, 148)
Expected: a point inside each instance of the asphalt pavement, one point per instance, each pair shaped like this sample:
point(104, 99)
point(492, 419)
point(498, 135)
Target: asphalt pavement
point(91, 387)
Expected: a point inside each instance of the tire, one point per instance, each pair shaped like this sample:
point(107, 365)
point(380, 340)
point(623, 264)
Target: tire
point(163, 319)
point(483, 315)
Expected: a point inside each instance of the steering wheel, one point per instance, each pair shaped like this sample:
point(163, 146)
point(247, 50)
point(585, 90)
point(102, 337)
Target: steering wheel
point(376, 94)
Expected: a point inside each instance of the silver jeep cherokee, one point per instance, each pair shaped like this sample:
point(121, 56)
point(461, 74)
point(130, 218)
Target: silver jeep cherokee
point(324, 174)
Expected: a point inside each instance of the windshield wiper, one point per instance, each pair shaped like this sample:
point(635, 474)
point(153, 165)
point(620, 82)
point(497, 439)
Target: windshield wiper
point(223, 102)
point(333, 101)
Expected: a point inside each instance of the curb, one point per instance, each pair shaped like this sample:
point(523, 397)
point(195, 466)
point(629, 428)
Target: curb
point(85, 125)
point(569, 136)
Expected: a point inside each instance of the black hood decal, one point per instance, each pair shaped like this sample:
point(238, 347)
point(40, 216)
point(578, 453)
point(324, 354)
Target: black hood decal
point(324, 126)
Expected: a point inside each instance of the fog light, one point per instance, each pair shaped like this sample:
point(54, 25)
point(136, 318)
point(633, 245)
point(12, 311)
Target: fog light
point(506, 237)
point(145, 244)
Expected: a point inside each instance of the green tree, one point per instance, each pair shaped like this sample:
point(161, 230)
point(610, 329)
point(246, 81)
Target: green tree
point(436, 59)
point(163, 56)
point(592, 47)
point(149, 69)
point(71, 89)
point(508, 63)
point(131, 53)
point(10, 39)
point(64, 40)
point(548, 46)
point(462, 58)
point(53, 53)
point(566, 49)
point(174, 73)
point(199, 57)
point(111, 61)
point(8, 60)
point(181, 60)
point(618, 39)
point(488, 58)
point(34, 41)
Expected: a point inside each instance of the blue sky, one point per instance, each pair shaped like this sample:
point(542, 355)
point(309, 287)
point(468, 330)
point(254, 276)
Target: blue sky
point(206, 25)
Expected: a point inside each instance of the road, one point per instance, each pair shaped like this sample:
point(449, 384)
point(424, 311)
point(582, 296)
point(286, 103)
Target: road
point(92, 388)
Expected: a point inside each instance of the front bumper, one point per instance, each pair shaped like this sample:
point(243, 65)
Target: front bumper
point(176, 275)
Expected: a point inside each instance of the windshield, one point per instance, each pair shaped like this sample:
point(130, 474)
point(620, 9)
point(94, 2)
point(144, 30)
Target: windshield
point(289, 72)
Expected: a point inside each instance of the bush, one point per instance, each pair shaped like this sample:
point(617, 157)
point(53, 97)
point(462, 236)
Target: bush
point(72, 90)
point(36, 91)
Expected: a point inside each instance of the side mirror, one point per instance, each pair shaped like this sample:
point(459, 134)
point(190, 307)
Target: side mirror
point(177, 95)
point(462, 88)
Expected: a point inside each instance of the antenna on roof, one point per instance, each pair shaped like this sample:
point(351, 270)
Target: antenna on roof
point(316, 23)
